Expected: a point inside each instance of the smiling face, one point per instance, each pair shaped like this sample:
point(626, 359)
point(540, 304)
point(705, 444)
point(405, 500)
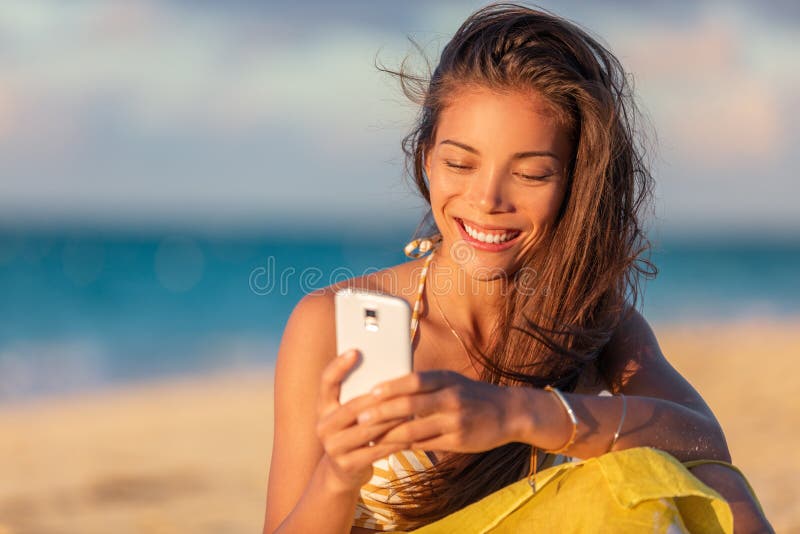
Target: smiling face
point(497, 173)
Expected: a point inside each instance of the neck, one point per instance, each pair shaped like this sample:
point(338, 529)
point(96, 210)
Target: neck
point(470, 304)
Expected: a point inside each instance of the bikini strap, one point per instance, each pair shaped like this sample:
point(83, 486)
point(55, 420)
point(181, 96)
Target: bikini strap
point(424, 245)
point(416, 248)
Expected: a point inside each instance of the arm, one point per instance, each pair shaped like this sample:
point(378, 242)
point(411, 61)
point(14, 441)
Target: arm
point(663, 409)
point(314, 486)
point(748, 516)
point(297, 476)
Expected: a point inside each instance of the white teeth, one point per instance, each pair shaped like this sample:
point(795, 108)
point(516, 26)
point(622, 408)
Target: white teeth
point(484, 237)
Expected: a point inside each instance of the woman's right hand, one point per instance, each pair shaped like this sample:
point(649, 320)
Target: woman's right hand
point(348, 454)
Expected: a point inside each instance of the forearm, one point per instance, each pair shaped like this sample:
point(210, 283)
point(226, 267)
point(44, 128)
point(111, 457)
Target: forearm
point(748, 517)
point(540, 419)
point(324, 506)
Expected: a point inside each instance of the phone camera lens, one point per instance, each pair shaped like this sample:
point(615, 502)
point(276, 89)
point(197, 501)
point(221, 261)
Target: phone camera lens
point(371, 320)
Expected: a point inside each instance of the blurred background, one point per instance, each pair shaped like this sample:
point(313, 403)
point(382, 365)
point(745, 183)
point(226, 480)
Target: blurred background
point(175, 175)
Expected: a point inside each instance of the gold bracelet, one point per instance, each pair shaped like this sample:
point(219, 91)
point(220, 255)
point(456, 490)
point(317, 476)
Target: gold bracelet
point(572, 418)
point(621, 421)
point(534, 464)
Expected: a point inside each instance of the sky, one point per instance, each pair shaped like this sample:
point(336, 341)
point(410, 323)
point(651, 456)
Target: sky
point(272, 115)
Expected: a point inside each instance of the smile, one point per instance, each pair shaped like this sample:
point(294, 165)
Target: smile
point(492, 238)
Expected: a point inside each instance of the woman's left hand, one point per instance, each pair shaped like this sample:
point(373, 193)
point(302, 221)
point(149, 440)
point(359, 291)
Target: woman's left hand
point(447, 411)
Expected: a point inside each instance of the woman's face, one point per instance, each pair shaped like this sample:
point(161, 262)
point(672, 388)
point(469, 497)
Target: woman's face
point(497, 173)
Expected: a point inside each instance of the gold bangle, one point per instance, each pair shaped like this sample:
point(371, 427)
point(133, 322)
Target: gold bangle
point(621, 421)
point(572, 418)
point(534, 464)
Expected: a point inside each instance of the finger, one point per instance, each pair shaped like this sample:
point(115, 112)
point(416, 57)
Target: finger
point(332, 377)
point(367, 455)
point(451, 437)
point(417, 430)
point(356, 437)
point(418, 382)
point(439, 443)
point(406, 406)
point(344, 415)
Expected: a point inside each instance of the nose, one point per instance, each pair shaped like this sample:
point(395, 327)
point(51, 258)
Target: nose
point(488, 192)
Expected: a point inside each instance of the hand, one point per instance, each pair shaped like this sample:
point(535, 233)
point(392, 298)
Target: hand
point(346, 443)
point(450, 412)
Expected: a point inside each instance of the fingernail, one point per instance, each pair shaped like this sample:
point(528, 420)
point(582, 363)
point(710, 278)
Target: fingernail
point(363, 417)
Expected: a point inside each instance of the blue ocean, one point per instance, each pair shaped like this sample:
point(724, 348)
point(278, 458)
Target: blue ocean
point(88, 309)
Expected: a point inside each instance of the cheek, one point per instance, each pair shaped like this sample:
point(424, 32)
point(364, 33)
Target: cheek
point(447, 186)
point(443, 190)
point(543, 208)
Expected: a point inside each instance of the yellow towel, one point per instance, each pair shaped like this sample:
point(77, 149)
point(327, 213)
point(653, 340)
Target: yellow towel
point(629, 491)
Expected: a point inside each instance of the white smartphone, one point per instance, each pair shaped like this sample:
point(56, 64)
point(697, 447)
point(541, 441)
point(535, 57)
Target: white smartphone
point(378, 325)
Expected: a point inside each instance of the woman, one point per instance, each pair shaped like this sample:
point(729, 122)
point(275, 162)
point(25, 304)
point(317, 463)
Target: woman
point(526, 151)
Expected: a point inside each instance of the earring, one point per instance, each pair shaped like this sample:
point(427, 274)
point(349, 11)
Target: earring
point(417, 248)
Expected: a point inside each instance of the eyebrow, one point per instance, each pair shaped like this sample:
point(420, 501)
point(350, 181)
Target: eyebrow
point(518, 155)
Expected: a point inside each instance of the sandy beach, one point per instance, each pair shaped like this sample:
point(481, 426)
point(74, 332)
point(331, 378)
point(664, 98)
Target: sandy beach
point(191, 455)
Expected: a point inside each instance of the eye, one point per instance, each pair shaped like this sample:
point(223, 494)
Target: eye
point(532, 178)
point(456, 165)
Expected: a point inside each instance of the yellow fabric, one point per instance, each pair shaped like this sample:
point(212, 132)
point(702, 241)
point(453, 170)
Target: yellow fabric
point(629, 491)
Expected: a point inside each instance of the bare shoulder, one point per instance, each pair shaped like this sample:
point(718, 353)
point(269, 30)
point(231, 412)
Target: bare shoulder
point(399, 280)
point(308, 343)
point(316, 310)
point(309, 338)
point(632, 345)
point(633, 363)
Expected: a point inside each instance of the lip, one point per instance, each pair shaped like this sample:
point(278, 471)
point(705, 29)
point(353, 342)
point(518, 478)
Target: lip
point(486, 226)
point(489, 247)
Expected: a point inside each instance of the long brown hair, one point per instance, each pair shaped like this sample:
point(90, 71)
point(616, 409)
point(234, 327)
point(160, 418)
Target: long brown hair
point(587, 272)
